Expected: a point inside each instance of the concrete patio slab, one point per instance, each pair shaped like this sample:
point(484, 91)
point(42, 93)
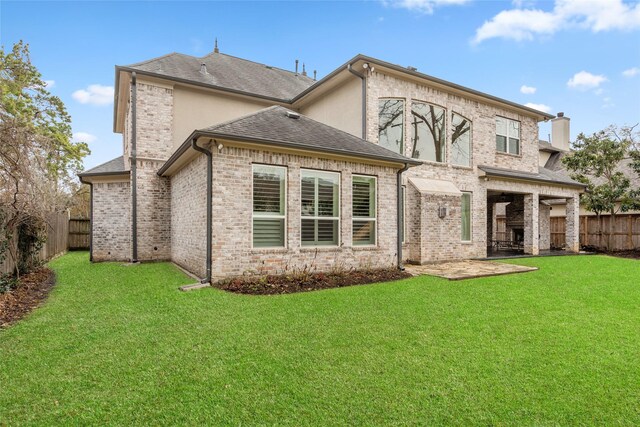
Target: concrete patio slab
point(467, 269)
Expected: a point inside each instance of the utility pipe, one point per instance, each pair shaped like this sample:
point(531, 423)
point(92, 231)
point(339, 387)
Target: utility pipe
point(134, 189)
point(400, 211)
point(194, 145)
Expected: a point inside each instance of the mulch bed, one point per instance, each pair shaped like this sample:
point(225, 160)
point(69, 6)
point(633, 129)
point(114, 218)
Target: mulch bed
point(630, 253)
point(31, 291)
point(288, 284)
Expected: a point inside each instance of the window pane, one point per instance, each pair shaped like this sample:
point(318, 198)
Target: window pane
point(501, 126)
point(268, 190)
point(327, 197)
point(501, 143)
point(363, 197)
point(514, 146)
point(320, 196)
point(428, 132)
point(390, 124)
point(308, 233)
point(460, 141)
point(268, 232)
point(466, 217)
point(308, 196)
point(364, 232)
point(514, 129)
point(327, 232)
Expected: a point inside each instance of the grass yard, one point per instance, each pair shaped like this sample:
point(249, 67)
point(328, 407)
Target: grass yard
point(120, 345)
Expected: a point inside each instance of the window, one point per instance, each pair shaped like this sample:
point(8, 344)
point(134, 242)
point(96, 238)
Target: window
point(391, 124)
point(428, 133)
point(320, 208)
point(269, 183)
point(466, 217)
point(363, 199)
point(460, 140)
point(507, 135)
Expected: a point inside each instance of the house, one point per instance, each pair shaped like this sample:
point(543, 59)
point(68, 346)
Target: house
point(230, 166)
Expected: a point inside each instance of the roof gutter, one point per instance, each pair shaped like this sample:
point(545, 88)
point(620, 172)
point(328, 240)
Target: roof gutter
point(400, 215)
point(364, 99)
point(195, 146)
point(134, 170)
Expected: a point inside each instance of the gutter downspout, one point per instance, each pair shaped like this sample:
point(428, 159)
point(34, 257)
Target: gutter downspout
point(91, 223)
point(195, 146)
point(400, 211)
point(134, 192)
point(364, 99)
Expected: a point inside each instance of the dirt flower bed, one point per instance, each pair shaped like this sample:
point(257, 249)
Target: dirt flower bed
point(629, 253)
point(32, 289)
point(290, 283)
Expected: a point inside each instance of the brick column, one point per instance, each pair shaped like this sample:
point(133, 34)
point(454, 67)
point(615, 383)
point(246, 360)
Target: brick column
point(531, 224)
point(572, 228)
point(491, 222)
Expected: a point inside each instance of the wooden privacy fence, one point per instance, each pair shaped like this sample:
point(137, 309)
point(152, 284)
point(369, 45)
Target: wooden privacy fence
point(56, 243)
point(79, 234)
point(626, 234)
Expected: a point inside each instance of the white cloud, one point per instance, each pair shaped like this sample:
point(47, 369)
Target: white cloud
point(95, 95)
point(585, 80)
point(84, 137)
point(529, 90)
point(49, 83)
point(540, 107)
point(595, 15)
point(631, 72)
point(422, 6)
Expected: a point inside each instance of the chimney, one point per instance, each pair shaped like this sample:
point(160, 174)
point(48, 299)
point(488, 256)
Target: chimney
point(203, 68)
point(560, 132)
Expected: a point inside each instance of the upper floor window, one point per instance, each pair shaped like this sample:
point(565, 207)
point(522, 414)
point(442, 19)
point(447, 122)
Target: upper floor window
point(507, 135)
point(363, 195)
point(428, 132)
point(320, 208)
point(391, 124)
point(460, 140)
point(269, 200)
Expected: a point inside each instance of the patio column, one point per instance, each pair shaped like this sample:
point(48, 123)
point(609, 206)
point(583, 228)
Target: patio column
point(491, 222)
point(572, 227)
point(531, 224)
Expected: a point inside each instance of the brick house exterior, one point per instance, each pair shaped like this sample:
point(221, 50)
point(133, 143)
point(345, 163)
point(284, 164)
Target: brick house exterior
point(151, 203)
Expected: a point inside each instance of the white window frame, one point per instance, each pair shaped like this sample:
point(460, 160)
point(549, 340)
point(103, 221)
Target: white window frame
point(507, 136)
point(317, 173)
point(375, 210)
point(470, 217)
point(270, 216)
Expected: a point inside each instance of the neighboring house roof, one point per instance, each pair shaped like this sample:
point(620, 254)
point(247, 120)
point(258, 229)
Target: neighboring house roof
point(544, 175)
point(548, 147)
point(112, 167)
point(278, 127)
point(555, 164)
point(227, 72)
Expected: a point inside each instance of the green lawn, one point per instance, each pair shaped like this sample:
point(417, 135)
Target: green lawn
point(120, 345)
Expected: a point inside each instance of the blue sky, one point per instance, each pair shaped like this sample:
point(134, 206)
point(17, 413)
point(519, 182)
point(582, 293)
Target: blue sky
point(579, 57)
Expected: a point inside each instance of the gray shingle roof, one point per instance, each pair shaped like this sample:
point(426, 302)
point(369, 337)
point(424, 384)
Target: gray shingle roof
point(272, 125)
point(555, 164)
point(112, 167)
point(547, 146)
point(544, 175)
point(228, 72)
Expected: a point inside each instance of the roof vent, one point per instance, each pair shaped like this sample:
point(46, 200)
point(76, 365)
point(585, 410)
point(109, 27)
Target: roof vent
point(203, 68)
point(410, 68)
point(561, 114)
point(292, 115)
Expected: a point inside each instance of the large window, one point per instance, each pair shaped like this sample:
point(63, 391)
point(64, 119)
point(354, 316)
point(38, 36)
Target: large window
point(320, 208)
point(269, 201)
point(363, 190)
point(428, 133)
point(391, 124)
point(507, 135)
point(460, 140)
point(466, 217)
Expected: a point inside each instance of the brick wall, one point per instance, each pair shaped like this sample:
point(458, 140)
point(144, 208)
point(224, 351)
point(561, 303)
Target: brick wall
point(111, 221)
point(154, 212)
point(232, 214)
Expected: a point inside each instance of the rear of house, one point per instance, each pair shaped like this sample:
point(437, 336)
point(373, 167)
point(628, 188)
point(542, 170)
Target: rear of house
point(231, 167)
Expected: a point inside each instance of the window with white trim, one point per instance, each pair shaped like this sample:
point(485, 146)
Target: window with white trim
point(507, 135)
point(269, 206)
point(363, 202)
point(320, 208)
point(465, 213)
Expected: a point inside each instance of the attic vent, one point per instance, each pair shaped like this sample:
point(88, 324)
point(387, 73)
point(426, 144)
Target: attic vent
point(203, 68)
point(410, 68)
point(292, 115)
